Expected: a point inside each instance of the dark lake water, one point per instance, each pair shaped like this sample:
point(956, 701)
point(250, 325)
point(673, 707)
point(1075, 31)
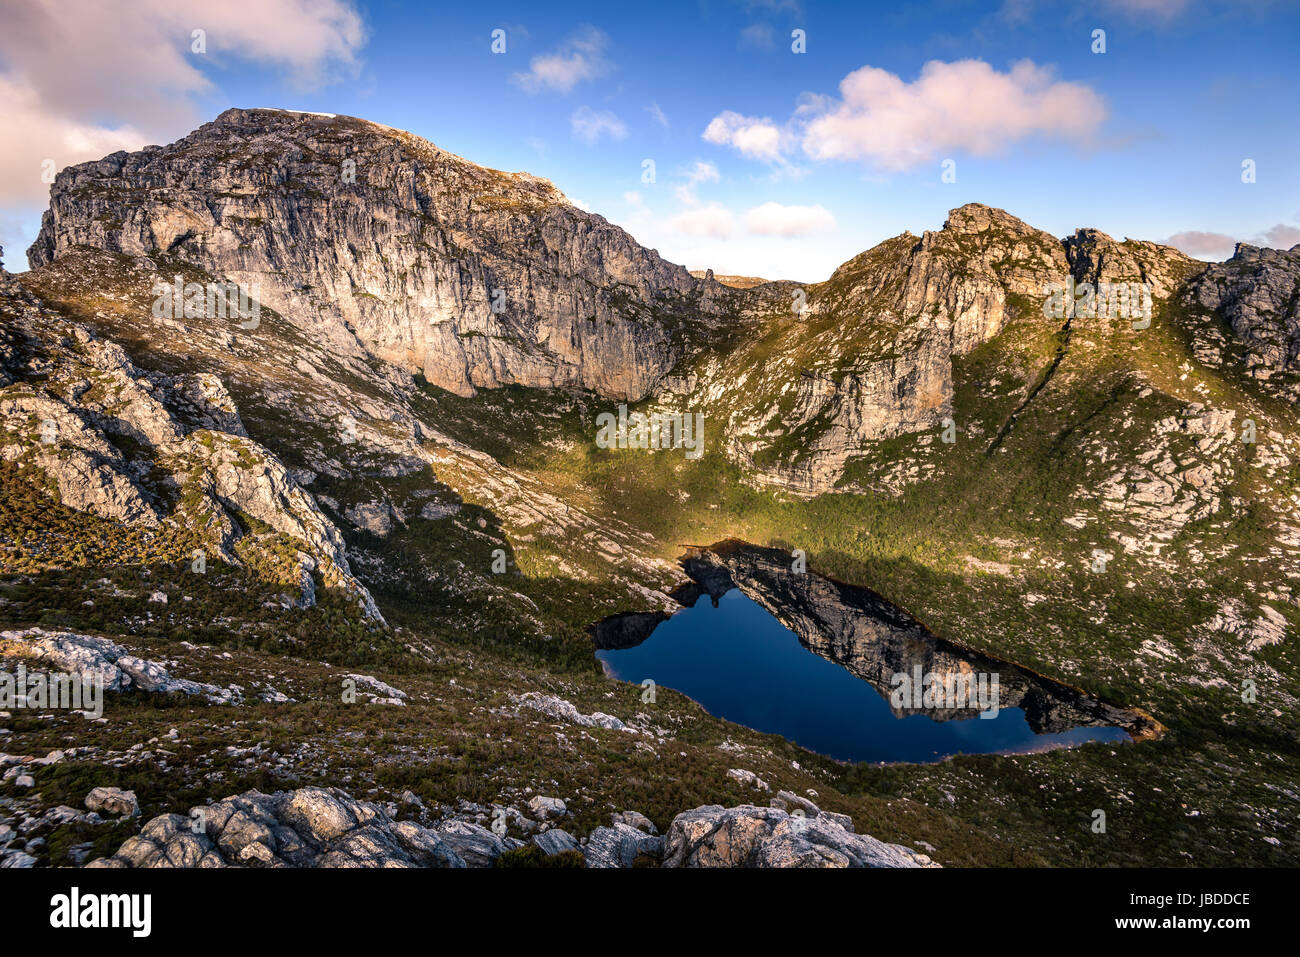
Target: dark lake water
point(742, 664)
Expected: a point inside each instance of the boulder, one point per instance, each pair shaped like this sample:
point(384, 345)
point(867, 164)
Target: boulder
point(637, 820)
point(619, 846)
point(309, 827)
point(748, 836)
point(113, 801)
point(547, 808)
point(555, 841)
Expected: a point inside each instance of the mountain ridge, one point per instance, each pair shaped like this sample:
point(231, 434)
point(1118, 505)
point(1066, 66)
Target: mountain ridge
point(1116, 507)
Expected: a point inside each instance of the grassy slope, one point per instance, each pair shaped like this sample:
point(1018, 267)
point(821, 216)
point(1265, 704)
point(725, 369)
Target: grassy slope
point(1224, 776)
point(1230, 762)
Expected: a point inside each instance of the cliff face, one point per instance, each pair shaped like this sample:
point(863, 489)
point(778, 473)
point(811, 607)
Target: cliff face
point(871, 357)
point(376, 244)
point(375, 239)
point(166, 457)
point(1257, 292)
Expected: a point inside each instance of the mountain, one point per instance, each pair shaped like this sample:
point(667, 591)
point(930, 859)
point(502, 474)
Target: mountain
point(384, 465)
point(378, 242)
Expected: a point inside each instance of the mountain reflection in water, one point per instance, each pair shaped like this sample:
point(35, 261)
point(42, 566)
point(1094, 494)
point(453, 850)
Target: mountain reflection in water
point(825, 682)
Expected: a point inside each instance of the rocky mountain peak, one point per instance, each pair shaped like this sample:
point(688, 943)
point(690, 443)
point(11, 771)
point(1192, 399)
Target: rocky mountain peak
point(379, 242)
point(1257, 292)
point(976, 218)
point(1096, 257)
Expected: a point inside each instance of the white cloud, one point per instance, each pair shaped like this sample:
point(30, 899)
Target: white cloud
point(700, 172)
point(33, 135)
point(756, 138)
point(712, 220)
point(773, 219)
point(657, 115)
point(1197, 243)
point(589, 125)
point(581, 57)
point(714, 237)
point(82, 79)
point(1219, 246)
point(1282, 236)
point(965, 106)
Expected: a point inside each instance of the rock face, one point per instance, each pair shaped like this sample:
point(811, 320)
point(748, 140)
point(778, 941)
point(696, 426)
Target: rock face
point(620, 846)
point(115, 441)
point(310, 827)
point(1257, 292)
point(748, 836)
point(376, 243)
point(99, 659)
point(870, 357)
point(324, 827)
point(555, 841)
point(376, 239)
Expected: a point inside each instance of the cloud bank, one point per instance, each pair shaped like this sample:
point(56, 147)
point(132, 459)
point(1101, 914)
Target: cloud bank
point(81, 78)
point(891, 125)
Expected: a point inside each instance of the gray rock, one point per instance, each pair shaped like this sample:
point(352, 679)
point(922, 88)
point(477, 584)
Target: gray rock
point(635, 819)
point(373, 517)
point(476, 845)
point(1254, 291)
point(574, 286)
point(320, 816)
point(748, 779)
point(748, 836)
point(566, 711)
point(618, 846)
point(113, 801)
point(555, 841)
point(547, 808)
point(311, 827)
point(789, 801)
point(96, 658)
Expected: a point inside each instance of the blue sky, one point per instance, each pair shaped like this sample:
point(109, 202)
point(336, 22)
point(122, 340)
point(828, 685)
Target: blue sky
point(764, 163)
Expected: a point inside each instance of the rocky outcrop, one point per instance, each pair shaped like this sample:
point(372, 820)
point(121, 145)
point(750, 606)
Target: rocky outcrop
point(376, 240)
point(1097, 258)
point(870, 357)
point(104, 661)
point(620, 846)
point(1257, 292)
point(1181, 477)
point(749, 836)
point(113, 801)
point(566, 711)
point(324, 827)
point(310, 827)
point(118, 442)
